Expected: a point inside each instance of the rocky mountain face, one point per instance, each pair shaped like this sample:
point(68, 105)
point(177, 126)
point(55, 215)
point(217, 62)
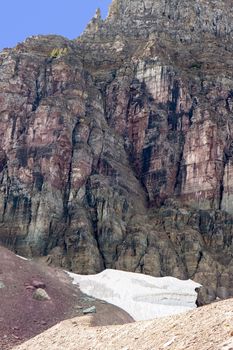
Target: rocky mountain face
point(116, 149)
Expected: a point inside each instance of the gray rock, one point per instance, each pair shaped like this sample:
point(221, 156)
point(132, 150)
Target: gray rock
point(90, 310)
point(41, 295)
point(2, 285)
point(89, 299)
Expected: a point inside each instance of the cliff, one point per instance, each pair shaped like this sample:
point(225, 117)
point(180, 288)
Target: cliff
point(116, 148)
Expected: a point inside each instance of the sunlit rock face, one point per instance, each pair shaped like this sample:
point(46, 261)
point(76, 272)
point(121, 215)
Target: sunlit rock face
point(116, 148)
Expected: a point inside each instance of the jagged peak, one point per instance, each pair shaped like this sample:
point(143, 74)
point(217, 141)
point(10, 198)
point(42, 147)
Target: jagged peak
point(98, 14)
point(95, 22)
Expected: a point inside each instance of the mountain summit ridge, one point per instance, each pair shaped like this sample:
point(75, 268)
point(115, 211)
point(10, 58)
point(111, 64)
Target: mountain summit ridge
point(145, 17)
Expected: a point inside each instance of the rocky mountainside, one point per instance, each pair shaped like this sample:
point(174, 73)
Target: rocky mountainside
point(116, 149)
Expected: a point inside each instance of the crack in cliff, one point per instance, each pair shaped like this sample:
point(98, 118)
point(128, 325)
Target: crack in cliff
point(16, 67)
point(141, 263)
point(14, 121)
point(67, 189)
point(94, 220)
point(7, 193)
point(40, 88)
point(180, 171)
point(227, 155)
point(38, 97)
point(199, 259)
point(221, 190)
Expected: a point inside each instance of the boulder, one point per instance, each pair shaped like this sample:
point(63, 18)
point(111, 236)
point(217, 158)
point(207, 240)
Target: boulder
point(40, 295)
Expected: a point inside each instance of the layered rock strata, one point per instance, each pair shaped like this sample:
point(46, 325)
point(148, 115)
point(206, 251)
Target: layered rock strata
point(116, 150)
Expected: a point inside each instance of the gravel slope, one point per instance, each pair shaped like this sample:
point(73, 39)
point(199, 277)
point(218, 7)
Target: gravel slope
point(22, 317)
point(206, 328)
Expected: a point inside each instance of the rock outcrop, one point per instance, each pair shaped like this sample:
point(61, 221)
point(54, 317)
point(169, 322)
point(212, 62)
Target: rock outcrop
point(117, 150)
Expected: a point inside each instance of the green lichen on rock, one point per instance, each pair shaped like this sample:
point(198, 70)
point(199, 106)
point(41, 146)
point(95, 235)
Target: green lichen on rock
point(40, 295)
point(58, 52)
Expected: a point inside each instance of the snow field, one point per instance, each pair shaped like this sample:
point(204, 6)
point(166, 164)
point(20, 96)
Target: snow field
point(143, 297)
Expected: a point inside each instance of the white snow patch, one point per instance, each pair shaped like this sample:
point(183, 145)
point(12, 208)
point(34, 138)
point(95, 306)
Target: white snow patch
point(21, 257)
point(143, 297)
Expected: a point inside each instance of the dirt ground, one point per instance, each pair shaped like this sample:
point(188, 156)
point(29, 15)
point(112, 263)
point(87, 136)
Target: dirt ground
point(206, 328)
point(22, 317)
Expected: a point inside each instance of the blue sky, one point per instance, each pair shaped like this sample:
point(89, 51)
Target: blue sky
point(22, 18)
